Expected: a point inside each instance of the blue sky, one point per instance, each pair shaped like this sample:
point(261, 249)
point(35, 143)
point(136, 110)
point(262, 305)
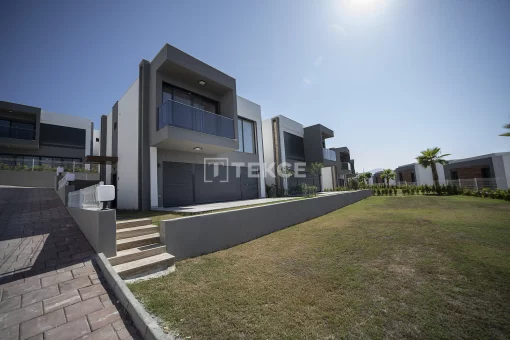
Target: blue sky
point(390, 77)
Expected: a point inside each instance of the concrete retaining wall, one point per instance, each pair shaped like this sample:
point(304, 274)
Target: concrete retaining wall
point(38, 179)
point(99, 227)
point(196, 235)
point(63, 193)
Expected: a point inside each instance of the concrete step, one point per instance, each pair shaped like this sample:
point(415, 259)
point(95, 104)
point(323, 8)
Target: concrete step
point(137, 241)
point(137, 253)
point(133, 223)
point(137, 231)
point(145, 266)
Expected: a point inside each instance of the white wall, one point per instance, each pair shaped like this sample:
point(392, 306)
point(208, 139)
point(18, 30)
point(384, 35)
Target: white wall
point(96, 145)
point(506, 163)
point(127, 166)
point(70, 121)
point(327, 178)
point(267, 138)
point(154, 175)
point(424, 175)
point(252, 111)
point(109, 137)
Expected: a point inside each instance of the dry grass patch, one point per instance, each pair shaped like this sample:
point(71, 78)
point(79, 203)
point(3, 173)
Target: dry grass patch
point(386, 267)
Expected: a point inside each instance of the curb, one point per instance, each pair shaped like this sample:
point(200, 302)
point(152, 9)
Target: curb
point(143, 321)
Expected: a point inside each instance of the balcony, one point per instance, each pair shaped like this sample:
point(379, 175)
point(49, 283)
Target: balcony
point(329, 154)
point(172, 113)
point(346, 166)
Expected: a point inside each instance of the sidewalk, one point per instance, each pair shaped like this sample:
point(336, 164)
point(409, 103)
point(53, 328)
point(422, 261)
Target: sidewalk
point(50, 286)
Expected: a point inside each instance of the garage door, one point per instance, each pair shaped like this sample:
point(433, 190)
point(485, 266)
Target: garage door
point(185, 184)
point(177, 184)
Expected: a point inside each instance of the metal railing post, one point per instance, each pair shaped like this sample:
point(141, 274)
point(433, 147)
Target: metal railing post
point(73, 166)
point(33, 162)
point(476, 184)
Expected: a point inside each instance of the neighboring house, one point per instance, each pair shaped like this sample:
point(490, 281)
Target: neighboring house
point(416, 174)
point(177, 114)
point(376, 179)
point(344, 165)
point(495, 166)
point(34, 137)
point(287, 141)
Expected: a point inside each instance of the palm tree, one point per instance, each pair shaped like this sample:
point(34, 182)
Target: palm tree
point(388, 174)
point(431, 157)
point(365, 177)
point(506, 134)
point(316, 169)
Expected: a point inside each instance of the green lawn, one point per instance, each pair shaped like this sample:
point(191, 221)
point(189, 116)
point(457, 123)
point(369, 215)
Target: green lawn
point(387, 267)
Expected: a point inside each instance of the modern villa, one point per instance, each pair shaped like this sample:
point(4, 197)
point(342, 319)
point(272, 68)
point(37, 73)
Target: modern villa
point(178, 114)
point(31, 136)
point(286, 140)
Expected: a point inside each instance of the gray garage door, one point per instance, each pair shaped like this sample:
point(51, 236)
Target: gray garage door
point(185, 184)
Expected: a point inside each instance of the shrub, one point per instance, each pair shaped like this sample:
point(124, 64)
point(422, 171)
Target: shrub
point(395, 191)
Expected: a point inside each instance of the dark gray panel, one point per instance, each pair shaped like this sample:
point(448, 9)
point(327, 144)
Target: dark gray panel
point(216, 189)
point(144, 193)
point(177, 184)
point(249, 186)
point(62, 136)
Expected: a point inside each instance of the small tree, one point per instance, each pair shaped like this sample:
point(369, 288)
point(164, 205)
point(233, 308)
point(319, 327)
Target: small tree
point(431, 157)
point(316, 170)
point(388, 174)
point(365, 177)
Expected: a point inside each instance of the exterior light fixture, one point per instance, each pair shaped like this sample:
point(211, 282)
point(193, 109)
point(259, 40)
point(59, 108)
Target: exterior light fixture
point(197, 148)
point(201, 82)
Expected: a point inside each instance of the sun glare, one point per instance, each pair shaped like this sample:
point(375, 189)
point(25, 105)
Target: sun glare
point(363, 5)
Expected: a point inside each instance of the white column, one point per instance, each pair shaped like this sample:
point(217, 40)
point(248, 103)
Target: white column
point(154, 176)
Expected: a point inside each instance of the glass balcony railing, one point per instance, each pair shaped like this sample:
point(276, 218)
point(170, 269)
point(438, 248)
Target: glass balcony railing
point(346, 166)
point(17, 133)
point(173, 113)
point(329, 154)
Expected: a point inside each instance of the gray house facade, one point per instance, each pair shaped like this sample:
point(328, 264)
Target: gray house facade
point(182, 136)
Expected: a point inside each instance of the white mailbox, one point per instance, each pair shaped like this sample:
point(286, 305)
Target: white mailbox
point(105, 193)
point(70, 177)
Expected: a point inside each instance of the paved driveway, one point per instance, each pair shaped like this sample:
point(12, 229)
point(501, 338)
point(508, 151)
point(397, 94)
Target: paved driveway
point(50, 286)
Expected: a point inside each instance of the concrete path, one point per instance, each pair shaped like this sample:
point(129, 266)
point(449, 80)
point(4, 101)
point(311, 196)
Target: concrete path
point(50, 286)
point(222, 205)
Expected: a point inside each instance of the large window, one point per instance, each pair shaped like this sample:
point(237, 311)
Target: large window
point(17, 129)
point(62, 136)
point(189, 98)
point(294, 146)
point(246, 135)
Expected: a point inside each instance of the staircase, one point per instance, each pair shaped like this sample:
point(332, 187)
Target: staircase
point(139, 251)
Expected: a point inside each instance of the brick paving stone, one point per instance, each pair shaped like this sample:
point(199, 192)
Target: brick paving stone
point(103, 317)
point(104, 333)
point(10, 304)
point(83, 308)
point(127, 333)
point(84, 271)
point(68, 331)
point(40, 289)
point(52, 280)
point(20, 315)
point(42, 324)
point(10, 333)
point(39, 295)
point(91, 291)
point(67, 267)
point(75, 284)
point(21, 288)
point(61, 301)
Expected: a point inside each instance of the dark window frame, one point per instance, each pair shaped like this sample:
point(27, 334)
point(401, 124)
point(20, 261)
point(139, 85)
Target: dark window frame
point(241, 138)
point(166, 85)
point(21, 121)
